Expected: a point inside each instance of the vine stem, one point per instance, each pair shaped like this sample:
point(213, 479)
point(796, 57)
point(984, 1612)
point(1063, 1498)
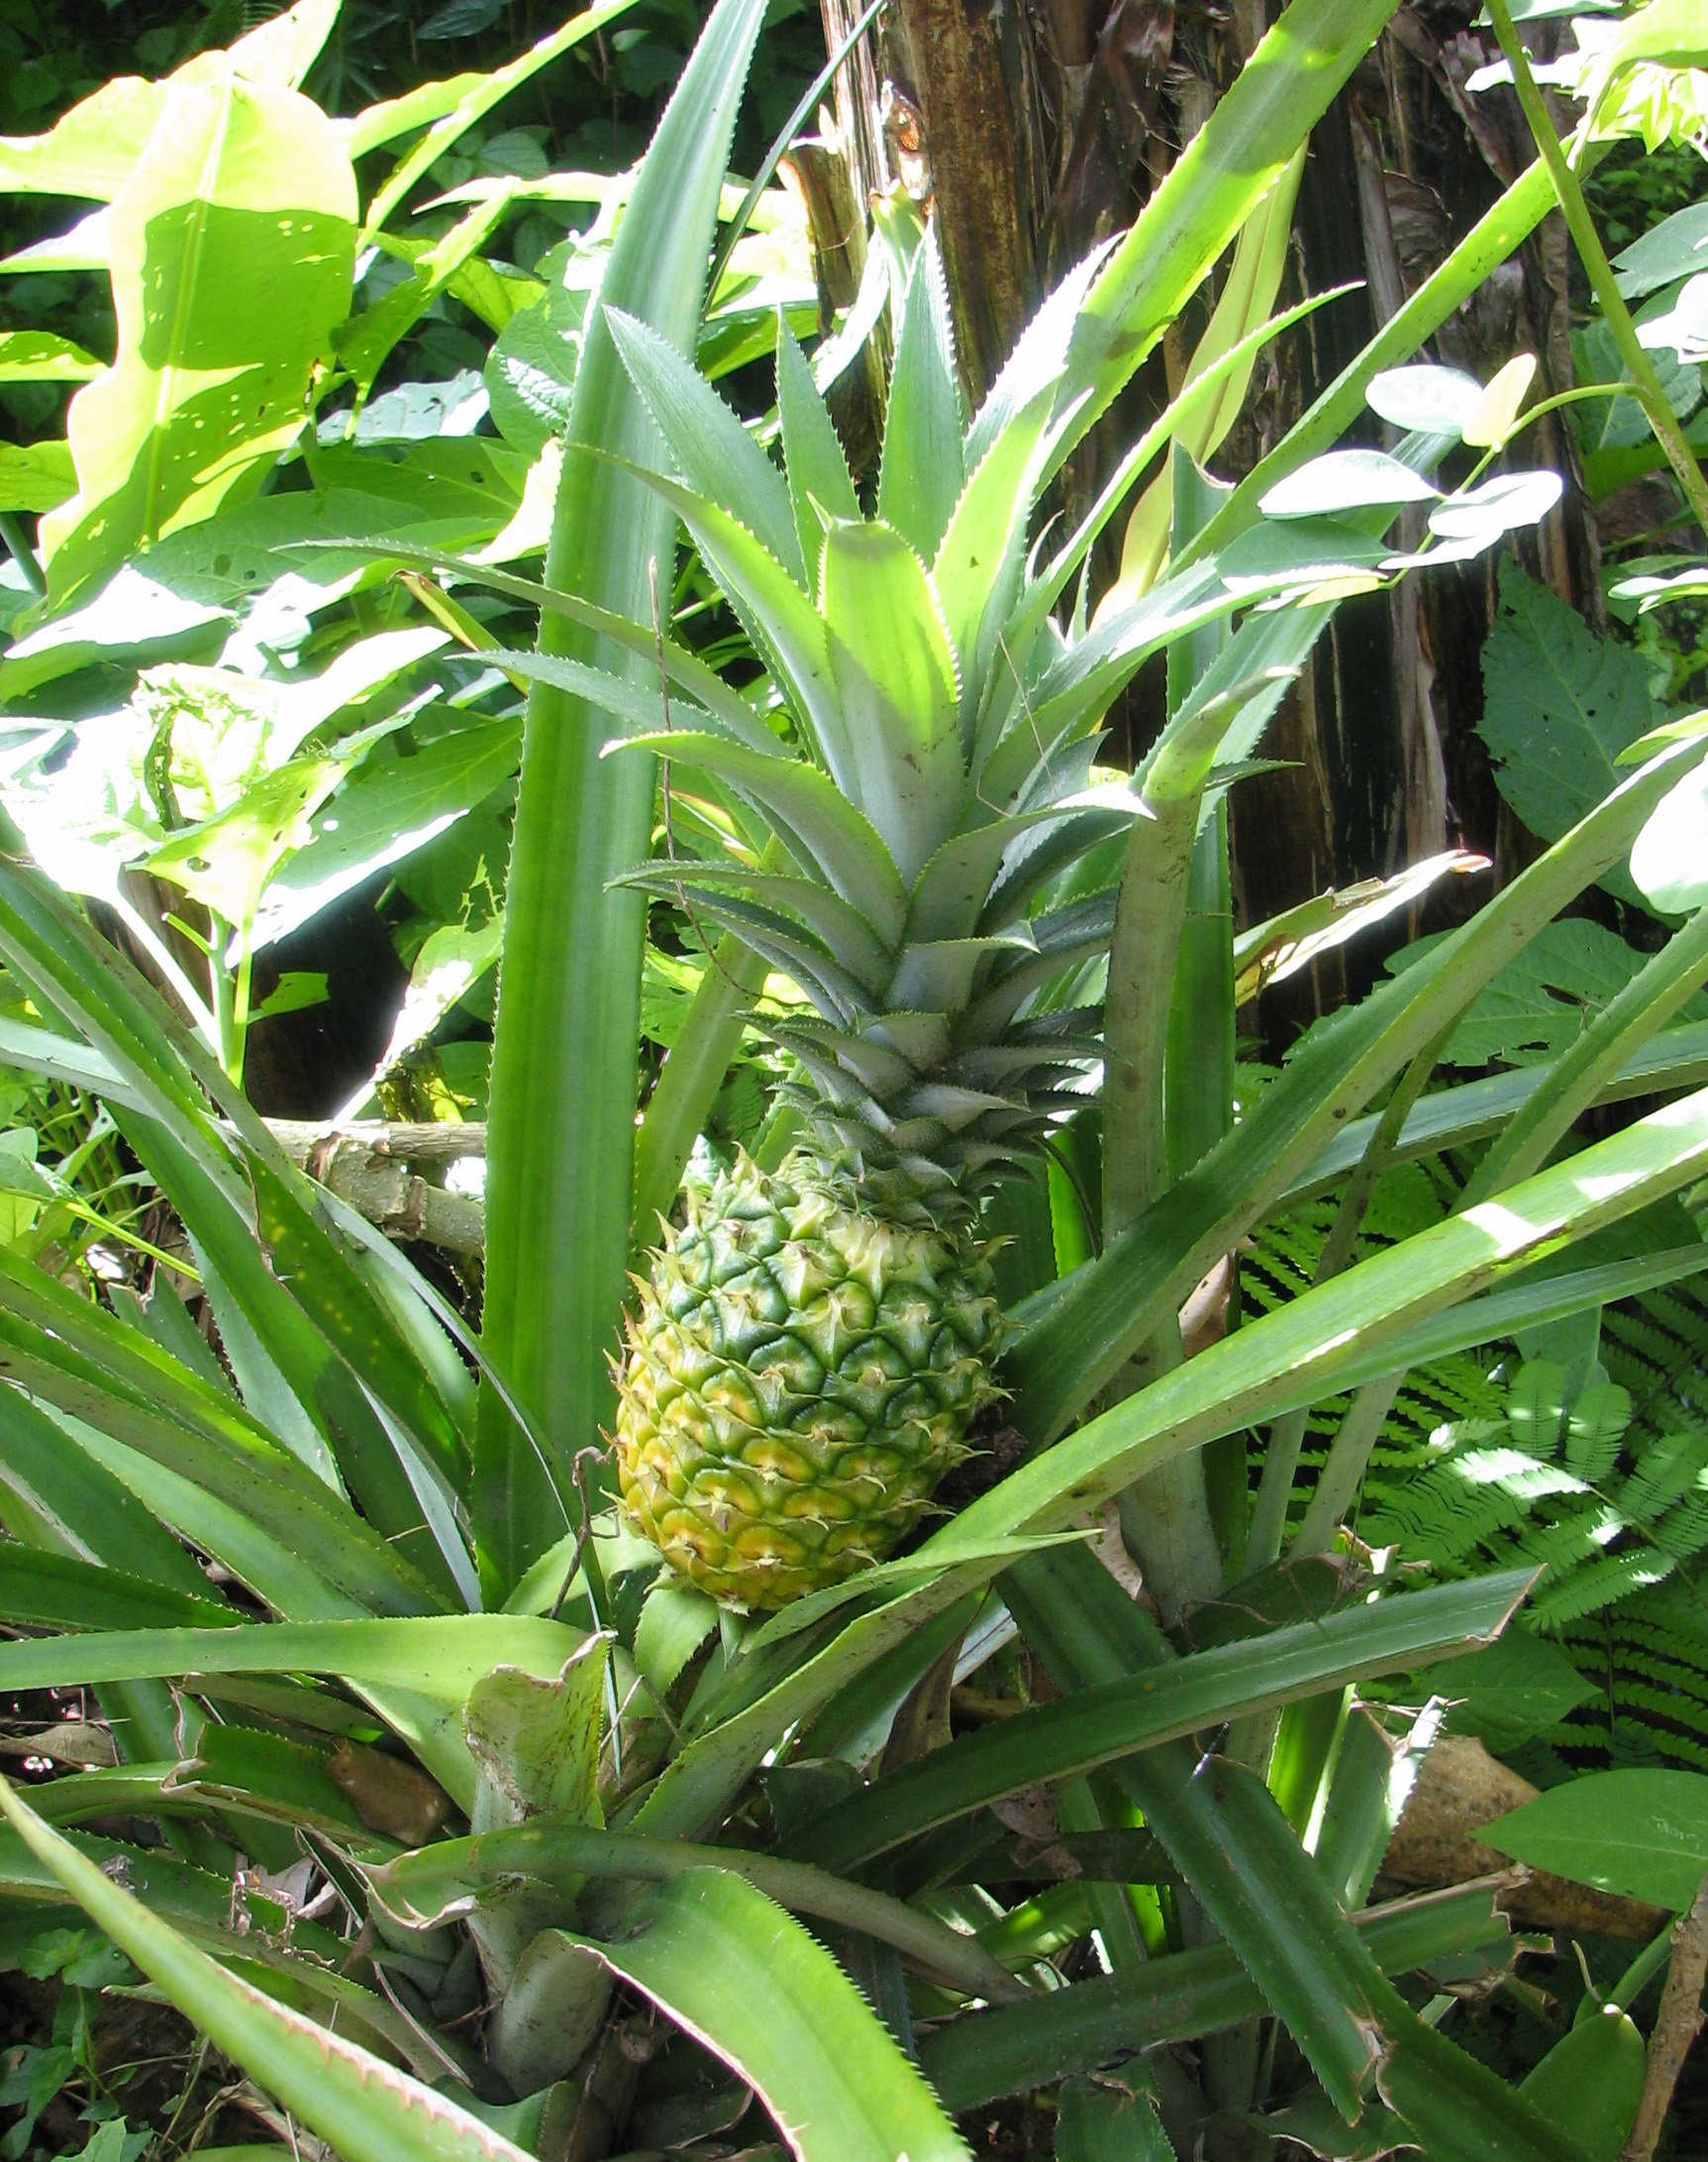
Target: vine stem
point(1569, 193)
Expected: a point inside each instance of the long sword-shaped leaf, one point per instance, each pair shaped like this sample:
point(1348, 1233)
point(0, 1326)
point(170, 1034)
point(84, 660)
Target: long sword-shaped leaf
point(1498, 234)
point(713, 452)
point(1232, 163)
point(745, 1979)
point(1009, 2049)
point(1227, 1836)
point(1094, 1319)
point(439, 1656)
point(334, 1345)
point(565, 1049)
point(1095, 1726)
point(1296, 1351)
point(364, 2107)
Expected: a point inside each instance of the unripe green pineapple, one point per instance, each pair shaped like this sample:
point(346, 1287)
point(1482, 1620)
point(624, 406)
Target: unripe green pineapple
point(800, 1375)
point(811, 1347)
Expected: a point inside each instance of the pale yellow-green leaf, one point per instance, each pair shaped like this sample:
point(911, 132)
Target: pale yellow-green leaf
point(232, 249)
point(1494, 413)
point(89, 152)
point(35, 476)
point(225, 862)
point(284, 47)
point(37, 357)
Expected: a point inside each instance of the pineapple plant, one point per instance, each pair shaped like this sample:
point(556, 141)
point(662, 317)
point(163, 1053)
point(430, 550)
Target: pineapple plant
point(811, 1347)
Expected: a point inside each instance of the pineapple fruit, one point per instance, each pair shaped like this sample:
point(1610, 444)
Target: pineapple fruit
point(812, 1345)
point(800, 1375)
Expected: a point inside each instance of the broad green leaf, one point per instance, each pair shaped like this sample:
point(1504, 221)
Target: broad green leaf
point(83, 248)
point(225, 861)
point(1676, 248)
point(1591, 2082)
point(284, 47)
point(452, 961)
point(366, 341)
point(1641, 1833)
point(530, 370)
point(232, 249)
point(384, 812)
point(1515, 1689)
point(430, 480)
point(364, 2107)
point(1473, 520)
point(1343, 481)
point(559, 1187)
point(748, 1983)
point(1496, 414)
point(1558, 706)
point(1545, 997)
point(1425, 398)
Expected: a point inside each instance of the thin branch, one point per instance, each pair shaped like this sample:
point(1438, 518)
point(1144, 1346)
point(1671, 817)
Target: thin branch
point(368, 1168)
point(1676, 2026)
point(1569, 193)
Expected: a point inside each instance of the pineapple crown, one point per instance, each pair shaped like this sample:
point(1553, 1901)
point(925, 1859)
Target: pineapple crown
point(894, 833)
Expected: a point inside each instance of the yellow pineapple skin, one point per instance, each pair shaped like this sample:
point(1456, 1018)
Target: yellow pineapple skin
point(800, 1373)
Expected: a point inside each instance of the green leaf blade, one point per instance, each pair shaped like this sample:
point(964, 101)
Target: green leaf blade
point(747, 1981)
point(567, 1029)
